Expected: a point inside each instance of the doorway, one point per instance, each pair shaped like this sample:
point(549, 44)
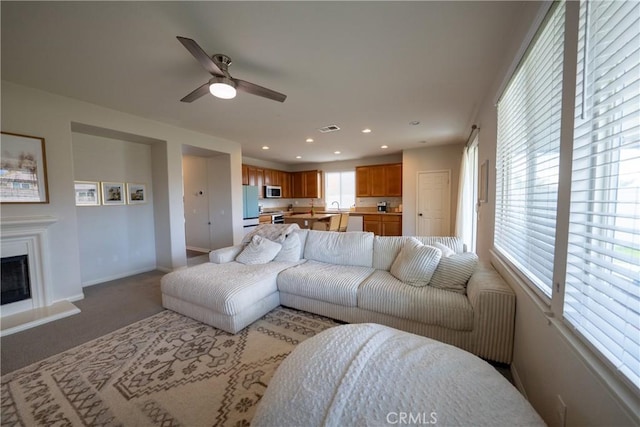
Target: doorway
point(206, 177)
point(434, 203)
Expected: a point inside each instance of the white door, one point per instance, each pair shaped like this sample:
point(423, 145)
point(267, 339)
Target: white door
point(434, 203)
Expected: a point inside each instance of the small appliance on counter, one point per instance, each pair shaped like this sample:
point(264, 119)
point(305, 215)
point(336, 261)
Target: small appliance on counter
point(382, 206)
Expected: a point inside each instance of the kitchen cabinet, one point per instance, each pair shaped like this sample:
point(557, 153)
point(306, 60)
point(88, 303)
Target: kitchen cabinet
point(307, 184)
point(245, 175)
point(379, 180)
point(383, 224)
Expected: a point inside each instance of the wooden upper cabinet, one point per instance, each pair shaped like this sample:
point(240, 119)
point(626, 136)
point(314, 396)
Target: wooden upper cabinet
point(379, 180)
point(245, 175)
point(394, 180)
point(306, 184)
point(363, 181)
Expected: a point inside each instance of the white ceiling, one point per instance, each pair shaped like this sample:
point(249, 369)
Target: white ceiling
point(379, 65)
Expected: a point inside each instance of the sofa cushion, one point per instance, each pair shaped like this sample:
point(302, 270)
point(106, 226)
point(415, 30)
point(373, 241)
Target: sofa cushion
point(416, 263)
point(454, 272)
point(225, 288)
point(259, 251)
point(290, 251)
point(337, 284)
point(383, 293)
point(386, 248)
point(272, 232)
point(332, 247)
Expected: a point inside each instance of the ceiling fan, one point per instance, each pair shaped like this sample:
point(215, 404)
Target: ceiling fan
point(222, 85)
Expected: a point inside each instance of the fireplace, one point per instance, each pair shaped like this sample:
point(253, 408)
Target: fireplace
point(14, 279)
point(24, 262)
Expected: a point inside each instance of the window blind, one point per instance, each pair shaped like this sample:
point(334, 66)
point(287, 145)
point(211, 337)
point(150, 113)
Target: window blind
point(527, 155)
point(602, 288)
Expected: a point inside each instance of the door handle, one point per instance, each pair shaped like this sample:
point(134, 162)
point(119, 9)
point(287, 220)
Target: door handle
point(419, 214)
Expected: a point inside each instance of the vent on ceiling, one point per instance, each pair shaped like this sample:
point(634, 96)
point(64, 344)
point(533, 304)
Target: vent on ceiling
point(330, 128)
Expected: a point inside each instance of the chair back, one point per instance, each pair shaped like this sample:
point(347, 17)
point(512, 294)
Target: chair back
point(344, 220)
point(334, 223)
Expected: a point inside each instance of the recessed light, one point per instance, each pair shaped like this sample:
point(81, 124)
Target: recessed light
point(414, 122)
point(309, 139)
point(336, 152)
point(384, 146)
point(367, 130)
point(264, 147)
point(298, 157)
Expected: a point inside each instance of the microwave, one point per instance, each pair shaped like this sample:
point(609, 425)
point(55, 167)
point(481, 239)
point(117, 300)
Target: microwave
point(272, 191)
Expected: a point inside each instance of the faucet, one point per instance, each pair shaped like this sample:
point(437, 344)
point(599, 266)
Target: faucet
point(337, 203)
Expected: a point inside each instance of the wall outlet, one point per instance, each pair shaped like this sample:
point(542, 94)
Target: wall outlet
point(561, 411)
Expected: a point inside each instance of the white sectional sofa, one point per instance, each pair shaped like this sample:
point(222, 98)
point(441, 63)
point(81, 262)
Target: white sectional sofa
point(347, 276)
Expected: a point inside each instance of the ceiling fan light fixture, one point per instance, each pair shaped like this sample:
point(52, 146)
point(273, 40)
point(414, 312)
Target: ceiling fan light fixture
point(222, 87)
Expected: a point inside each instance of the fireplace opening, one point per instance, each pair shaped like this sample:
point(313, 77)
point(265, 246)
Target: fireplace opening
point(14, 279)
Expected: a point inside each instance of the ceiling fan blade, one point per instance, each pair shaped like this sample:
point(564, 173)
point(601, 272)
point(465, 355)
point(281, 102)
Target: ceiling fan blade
point(254, 89)
point(201, 91)
point(201, 56)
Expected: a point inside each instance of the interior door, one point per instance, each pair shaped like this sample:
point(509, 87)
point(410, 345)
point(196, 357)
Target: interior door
point(434, 203)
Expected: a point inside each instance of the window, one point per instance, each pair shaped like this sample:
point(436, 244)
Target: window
point(597, 278)
point(340, 187)
point(602, 289)
point(528, 154)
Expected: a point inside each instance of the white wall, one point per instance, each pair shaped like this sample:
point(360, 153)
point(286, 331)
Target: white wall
point(219, 175)
point(196, 202)
point(442, 157)
point(114, 241)
point(32, 112)
point(545, 364)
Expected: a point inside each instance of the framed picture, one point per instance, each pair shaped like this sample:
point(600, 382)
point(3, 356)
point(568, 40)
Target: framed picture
point(136, 193)
point(112, 193)
point(483, 191)
point(23, 169)
point(87, 193)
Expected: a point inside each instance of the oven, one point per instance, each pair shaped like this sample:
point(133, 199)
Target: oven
point(277, 219)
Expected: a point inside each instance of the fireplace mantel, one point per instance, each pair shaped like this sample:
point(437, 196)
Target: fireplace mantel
point(21, 222)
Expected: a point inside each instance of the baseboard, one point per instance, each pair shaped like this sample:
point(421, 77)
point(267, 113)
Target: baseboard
point(164, 269)
point(197, 249)
point(117, 276)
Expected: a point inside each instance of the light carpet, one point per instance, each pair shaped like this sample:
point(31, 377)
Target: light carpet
point(165, 370)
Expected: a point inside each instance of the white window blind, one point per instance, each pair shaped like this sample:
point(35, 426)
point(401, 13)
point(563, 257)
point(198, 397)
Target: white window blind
point(340, 187)
point(528, 155)
point(602, 289)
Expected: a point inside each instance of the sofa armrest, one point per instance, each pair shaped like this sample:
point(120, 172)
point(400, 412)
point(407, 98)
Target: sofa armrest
point(224, 255)
point(494, 308)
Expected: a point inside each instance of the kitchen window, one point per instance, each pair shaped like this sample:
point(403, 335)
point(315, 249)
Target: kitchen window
point(340, 187)
point(567, 187)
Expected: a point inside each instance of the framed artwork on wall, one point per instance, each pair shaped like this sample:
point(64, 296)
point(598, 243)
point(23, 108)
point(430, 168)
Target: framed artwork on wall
point(87, 193)
point(112, 193)
point(23, 169)
point(136, 194)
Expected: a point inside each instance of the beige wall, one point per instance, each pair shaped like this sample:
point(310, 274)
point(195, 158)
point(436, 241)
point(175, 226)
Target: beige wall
point(443, 157)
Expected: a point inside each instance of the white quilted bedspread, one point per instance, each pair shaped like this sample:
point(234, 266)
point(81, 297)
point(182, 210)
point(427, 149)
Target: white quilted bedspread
point(372, 375)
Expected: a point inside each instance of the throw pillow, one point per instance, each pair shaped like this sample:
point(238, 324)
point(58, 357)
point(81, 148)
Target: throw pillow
point(259, 251)
point(416, 263)
point(446, 250)
point(454, 272)
point(290, 251)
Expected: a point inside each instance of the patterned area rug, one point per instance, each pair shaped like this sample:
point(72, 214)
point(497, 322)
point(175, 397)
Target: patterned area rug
point(165, 370)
